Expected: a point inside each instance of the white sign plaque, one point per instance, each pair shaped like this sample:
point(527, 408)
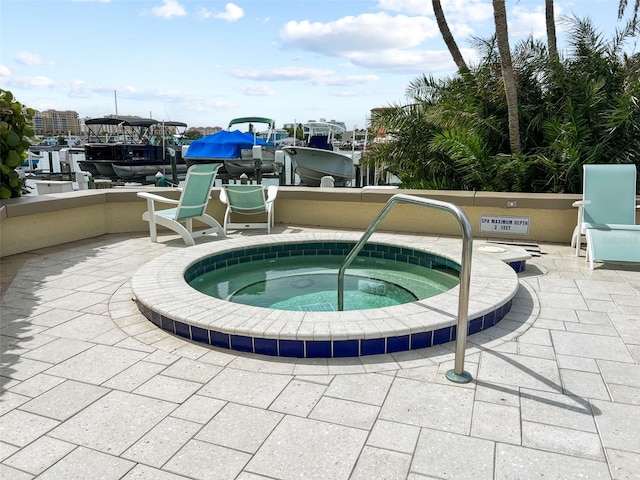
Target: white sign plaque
point(509, 225)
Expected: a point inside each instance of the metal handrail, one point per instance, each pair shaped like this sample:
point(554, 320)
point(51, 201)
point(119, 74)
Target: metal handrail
point(457, 374)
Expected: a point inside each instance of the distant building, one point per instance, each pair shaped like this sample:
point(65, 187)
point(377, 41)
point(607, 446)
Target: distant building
point(205, 131)
point(56, 122)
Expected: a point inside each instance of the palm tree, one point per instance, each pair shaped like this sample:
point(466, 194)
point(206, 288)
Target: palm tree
point(448, 37)
point(454, 131)
point(552, 43)
point(508, 77)
point(623, 6)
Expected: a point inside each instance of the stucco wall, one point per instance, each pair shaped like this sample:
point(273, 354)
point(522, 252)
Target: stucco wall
point(29, 223)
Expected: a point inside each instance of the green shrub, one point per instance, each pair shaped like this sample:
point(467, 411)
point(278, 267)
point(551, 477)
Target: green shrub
point(15, 128)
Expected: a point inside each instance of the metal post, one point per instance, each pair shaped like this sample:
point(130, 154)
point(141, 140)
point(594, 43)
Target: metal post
point(174, 166)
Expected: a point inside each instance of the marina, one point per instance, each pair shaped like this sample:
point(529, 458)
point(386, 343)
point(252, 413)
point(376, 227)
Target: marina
point(123, 151)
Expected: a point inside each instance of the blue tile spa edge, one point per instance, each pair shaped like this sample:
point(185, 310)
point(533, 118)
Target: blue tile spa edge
point(324, 348)
point(328, 348)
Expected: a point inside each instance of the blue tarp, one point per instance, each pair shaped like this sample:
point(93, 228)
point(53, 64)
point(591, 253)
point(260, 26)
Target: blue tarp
point(224, 144)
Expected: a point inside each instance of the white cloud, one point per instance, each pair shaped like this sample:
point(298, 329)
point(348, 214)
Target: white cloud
point(258, 91)
point(315, 76)
point(28, 58)
point(83, 89)
point(232, 13)
point(461, 31)
point(395, 47)
point(169, 8)
point(344, 81)
point(472, 11)
point(366, 32)
point(412, 7)
point(4, 71)
point(351, 93)
point(282, 74)
point(523, 22)
point(411, 61)
point(33, 82)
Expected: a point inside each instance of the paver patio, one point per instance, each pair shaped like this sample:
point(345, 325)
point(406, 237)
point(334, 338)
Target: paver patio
point(91, 389)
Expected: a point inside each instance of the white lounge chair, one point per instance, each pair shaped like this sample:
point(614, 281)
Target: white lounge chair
point(613, 243)
point(191, 206)
point(248, 200)
point(608, 197)
point(607, 214)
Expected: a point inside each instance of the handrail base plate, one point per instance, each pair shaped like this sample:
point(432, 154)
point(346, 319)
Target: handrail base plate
point(465, 377)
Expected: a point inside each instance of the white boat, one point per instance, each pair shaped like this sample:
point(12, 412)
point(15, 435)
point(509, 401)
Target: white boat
point(319, 159)
point(311, 164)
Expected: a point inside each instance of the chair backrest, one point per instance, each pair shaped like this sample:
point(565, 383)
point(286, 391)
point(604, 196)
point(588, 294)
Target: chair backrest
point(611, 194)
point(245, 198)
point(197, 190)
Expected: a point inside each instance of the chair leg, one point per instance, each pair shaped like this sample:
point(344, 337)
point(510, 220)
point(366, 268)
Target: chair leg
point(176, 227)
point(184, 233)
point(227, 214)
point(574, 237)
point(589, 252)
point(153, 229)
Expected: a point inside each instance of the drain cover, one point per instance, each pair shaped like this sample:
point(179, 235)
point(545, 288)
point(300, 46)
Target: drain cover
point(317, 307)
point(302, 283)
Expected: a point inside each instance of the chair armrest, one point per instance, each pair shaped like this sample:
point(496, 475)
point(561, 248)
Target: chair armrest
point(272, 193)
point(158, 198)
point(223, 196)
point(581, 203)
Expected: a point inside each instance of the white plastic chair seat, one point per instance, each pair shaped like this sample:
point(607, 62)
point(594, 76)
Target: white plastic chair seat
point(248, 200)
point(613, 243)
point(191, 206)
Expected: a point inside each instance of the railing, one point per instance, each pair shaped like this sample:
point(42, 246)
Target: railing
point(458, 374)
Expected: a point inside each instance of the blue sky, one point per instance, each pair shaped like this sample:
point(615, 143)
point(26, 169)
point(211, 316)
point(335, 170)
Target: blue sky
point(205, 62)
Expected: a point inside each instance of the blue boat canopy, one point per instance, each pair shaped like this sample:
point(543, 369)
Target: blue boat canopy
point(224, 144)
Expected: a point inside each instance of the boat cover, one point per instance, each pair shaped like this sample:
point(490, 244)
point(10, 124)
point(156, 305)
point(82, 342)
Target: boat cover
point(224, 144)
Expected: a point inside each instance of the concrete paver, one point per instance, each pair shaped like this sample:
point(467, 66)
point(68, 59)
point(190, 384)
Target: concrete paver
point(88, 384)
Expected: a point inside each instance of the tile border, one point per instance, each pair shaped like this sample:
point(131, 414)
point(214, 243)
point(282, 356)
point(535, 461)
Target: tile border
point(165, 298)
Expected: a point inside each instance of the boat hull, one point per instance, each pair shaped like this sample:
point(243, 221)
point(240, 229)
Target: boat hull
point(138, 171)
point(128, 161)
point(312, 164)
point(234, 150)
point(90, 167)
point(247, 164)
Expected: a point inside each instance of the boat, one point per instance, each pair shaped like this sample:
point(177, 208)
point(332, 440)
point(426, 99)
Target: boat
point(318, 158)
point(235, 149)
point(31, 162)
point(131, 147)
